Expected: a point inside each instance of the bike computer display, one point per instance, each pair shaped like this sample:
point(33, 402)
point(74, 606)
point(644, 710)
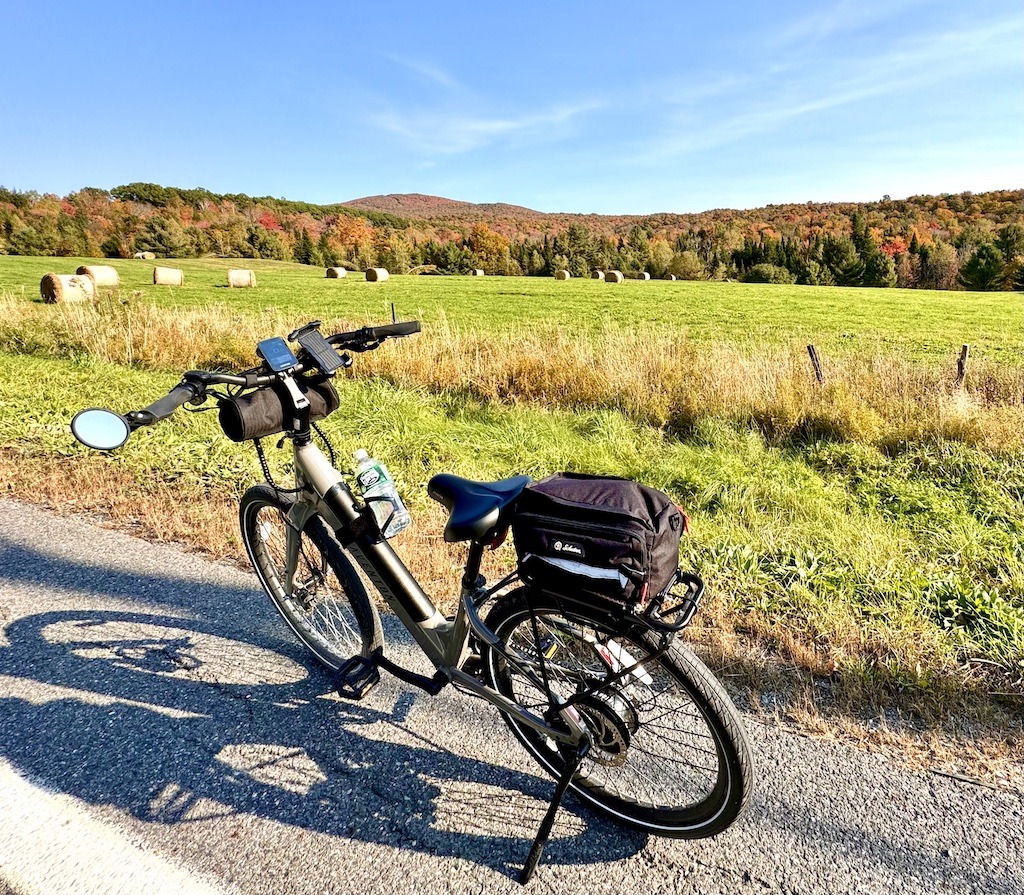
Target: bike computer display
point(277, 354)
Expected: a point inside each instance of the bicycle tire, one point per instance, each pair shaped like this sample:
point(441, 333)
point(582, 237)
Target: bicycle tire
point(702, 779)
point(329, 611)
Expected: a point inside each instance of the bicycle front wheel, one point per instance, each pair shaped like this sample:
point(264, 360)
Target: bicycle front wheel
point(325, 603)
point(669, 755)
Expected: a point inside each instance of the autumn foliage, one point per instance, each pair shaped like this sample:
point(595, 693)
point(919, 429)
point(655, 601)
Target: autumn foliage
point(972, 241)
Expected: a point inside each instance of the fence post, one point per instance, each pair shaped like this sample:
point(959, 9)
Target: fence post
point(813, 352)
point(961, 365)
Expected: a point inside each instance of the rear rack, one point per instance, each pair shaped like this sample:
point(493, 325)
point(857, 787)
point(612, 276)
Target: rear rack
point(674, 608)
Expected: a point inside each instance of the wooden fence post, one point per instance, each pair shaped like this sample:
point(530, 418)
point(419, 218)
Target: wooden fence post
point(961, 365)
point(813, 352)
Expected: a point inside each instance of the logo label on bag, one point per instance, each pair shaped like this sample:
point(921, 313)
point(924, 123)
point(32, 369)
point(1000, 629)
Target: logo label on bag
point(566, 547)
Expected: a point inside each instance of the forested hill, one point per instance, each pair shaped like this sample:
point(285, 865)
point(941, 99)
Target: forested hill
point(949, 241)
point(931, 213)
point(437, 208)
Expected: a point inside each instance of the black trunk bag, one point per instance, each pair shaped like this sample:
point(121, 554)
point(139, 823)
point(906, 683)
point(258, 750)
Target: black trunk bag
point(597, 539)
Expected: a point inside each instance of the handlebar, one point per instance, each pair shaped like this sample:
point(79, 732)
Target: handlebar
point(370, 337)
point(194, 383)
point(163, 407)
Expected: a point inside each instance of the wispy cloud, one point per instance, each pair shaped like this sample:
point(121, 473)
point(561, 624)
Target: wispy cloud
point(441, 133)
point(846, 16)
point(820, 85)
point(428, 70)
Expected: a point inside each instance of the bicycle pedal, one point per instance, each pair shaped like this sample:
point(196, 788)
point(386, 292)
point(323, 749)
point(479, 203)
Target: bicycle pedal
point(357, 677)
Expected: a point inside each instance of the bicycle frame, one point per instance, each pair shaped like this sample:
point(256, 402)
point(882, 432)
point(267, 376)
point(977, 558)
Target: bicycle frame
point(444, 641)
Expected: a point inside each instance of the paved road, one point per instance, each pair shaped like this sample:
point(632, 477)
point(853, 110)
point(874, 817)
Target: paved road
point(160, 732)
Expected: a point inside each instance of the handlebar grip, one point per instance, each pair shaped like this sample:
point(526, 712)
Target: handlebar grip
point(163, 407)
point(389, 330)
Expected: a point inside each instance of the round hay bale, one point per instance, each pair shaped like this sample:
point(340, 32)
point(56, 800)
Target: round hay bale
point(101, 274)
point(336, 273)
point(56, 287)
point(168, 276)
point(376, 275)
point(613, 276)
point(563, 275)
point(644, 275)
point(671, 276)
point(241, 279)
point(476, 272)
point(597, 275)
point(145, 256)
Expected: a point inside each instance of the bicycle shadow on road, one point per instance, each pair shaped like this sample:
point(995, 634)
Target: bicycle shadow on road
point(186, 701)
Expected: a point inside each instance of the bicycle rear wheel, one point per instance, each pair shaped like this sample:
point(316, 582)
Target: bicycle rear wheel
point(326, 604)
point(669, 753)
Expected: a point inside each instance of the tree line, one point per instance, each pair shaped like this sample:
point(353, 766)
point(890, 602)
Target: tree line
point(949, 242)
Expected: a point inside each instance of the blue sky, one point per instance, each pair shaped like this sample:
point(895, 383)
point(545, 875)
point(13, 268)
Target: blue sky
point(588, 107)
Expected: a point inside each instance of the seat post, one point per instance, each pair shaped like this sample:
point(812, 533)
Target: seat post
point(473, 560)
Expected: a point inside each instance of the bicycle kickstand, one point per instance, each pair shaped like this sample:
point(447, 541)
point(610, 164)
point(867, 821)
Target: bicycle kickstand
point(533, 858)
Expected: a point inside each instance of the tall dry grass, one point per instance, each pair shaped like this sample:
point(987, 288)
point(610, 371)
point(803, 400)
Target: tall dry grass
point(662, 378)
point(653, 376)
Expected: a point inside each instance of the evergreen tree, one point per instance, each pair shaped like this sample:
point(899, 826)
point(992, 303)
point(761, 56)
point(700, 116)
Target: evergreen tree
point(303, 250)
point(328, 256)
point(983, 272)
point(1016, 276)
point(1010, 241)
point(880, 270)
point(265, 244)
point(161, 235)
point(843, 261)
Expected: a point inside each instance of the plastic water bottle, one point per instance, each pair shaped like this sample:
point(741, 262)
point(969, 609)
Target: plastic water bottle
point(380, 494)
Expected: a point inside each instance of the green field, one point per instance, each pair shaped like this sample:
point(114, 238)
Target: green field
point(913, 321)
point(858, 555)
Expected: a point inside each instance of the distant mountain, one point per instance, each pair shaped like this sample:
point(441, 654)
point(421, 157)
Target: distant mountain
point(434, 208)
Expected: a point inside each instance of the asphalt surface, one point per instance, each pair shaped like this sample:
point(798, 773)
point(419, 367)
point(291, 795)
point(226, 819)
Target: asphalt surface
point(157, 721)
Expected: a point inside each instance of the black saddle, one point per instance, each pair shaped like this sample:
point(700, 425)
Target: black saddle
point(476, 508)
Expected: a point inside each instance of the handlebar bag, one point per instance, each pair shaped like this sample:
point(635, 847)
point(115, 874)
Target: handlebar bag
point(597, 538)
point(268, 410)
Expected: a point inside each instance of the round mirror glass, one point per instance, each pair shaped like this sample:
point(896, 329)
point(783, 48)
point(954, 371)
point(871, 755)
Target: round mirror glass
point(102, 430)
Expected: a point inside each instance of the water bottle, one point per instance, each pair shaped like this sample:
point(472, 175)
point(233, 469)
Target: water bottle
point(380, 494)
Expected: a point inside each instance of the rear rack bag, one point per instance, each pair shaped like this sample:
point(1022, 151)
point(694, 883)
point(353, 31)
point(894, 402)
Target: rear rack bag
point(597, 539)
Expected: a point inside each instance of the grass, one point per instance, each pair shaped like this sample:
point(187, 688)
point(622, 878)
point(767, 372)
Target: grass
point(862, 541)
point(651, 374)
point(915, 322)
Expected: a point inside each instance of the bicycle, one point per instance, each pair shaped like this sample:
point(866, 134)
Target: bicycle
point(611, 704)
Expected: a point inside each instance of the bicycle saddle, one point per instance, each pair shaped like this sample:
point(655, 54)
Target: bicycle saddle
point(475, 507)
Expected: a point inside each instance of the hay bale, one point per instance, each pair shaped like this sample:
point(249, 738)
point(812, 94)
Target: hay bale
point(241, 279)
point(644, 275)
point(56, 287)
point(101, 274)
point(597, 275)
point(476, 272)
point(376, 275)
point(613, 276)
point(168, 276)
point(336, 273)
point(144, 256)
point(563, 275)
point(671, 276)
